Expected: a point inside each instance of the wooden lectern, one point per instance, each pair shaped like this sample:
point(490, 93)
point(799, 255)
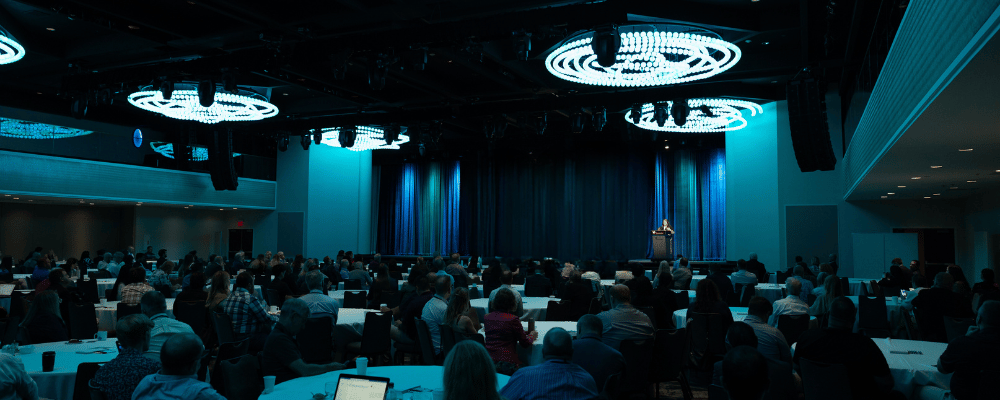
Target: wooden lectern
point(663, 245)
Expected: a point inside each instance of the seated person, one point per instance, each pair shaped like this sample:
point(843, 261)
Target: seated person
point(44, 321)
point(623, 321)
point(358, 273)
point(181, 357)
point(196, 290)
point(977, 351)
point(537, 285)
point(739, 334)
point(503, 331)
point(15, 383)
point(285, 292)
point(742, 276)
point(469, 373)
point(556, 378)
point(119, 377)
point(132, 292)
point(597, 358)
point(60, 283)
point(721, 281)
point(154, 306)
point(682, 275)
point(281, 352)
point(578, 293)
point(248, 314)
point(320, 305)
point(708, 301)
point(938, 302)
point(791, 304)
point(770, 341)
point(506, 282)
point(745, 374)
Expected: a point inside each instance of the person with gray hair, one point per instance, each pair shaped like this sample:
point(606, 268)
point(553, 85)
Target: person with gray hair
point(282, 357)
point(978, 350)
point(556, 378)
point(597, 358)
point(622, 321)
point(807, 285)
point(938, 302)
point(119, 377)
point(792, 304)
point(358, 273)
point(320, 305)
point(154, 306)
point(115, 266)
point(757, 267)
point(181, 357)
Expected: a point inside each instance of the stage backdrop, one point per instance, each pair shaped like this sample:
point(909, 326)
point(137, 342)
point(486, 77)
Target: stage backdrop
point(571, 206)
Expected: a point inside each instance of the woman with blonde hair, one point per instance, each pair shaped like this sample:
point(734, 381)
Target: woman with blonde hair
point(44, 321)
point(219, 290)
point(831, 290)
point(469, 373)
point(457, 314)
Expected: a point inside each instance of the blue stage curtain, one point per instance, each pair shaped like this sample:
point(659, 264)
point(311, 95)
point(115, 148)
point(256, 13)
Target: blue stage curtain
point(690, 191)
point(712, 179)
point(419, 209)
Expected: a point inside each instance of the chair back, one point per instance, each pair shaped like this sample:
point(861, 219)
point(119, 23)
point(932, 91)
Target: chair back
point(823, 381)
point(534, 291)
point(394, 297)
point(82, 324)
point(595, 306)
point(125, 310)
point(111, 294)
point(558, 311)
point(610, 388)
point(166, 290)
point(448, 338)
point(10, 333)
point(651, 313)
point(396, 275)
point(274, 298)
point(227, 351)
point(782, 384)
point(745, 292)
point(683, 299)
point(792, 326)
point(810, 299)
point(355, 299)
point(95, 392)
point(241, 377)
point(426, 346)
point(638, 354)
point(84, 373)
point(352, 284)
point(261, 280)
point(780, 277)
point(845, 286)
point(223, 327)
point(669, 354)
point(474, 292)
point(314, 341)
point(957, 327)
point(707, 338)
point(716, 392)
point(193, 313)
point(872, 316)
point(376, 339)
point(89, 289)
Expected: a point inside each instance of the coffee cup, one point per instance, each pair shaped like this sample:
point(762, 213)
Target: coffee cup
point(362, 364)
point(48, 361)
point(101, 336)
point(269, 384)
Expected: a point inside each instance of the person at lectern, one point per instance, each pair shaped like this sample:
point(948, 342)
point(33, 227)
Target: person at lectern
point(666, 227)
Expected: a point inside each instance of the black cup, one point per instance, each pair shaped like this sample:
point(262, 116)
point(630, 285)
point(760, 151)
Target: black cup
point(48, 361)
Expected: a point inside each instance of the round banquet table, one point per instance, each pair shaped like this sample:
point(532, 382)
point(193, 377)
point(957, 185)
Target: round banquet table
point(338, 296)
point(107, 314)
point(534, 307)
point(856, 283)
point(58, 384)
point(680, 316)
point(770, 291)
point(402, 377)
point(103, 285)
point(532, 355)
point(895, 314)
point(915, 373)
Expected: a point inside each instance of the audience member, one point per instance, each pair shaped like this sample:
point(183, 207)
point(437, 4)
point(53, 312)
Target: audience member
point(867, 369)
point(383, 287)
point(745, 374)
point(459, 274)
point(742, 276)
point(578, 293)
point(556, 378)
point(977, 351)
point(196, 290)
point(119, 377)
point(939, 302)
point(414, 307)
point(506, 280)
point(665, 302)
point(770, 341)
point(161, 277)
point(831, 290)
point(591, 354)
point(41, 269)
point(988, 284)
point(956, 273)
point(218, 291)
point(681, 275)
point(708, 301)
point(132, 293)
point(459, 315)
point(115, 266)
point(320, 305)
point(537, 285)
point(640, 288)
point(154, 306)
point(434, 311)
point(738, 334)
point(358, 273)
point(806, 286)
point(279, 284)
point(722, 281)
point(791, 304)
point(662, 270)
point(469, 373)
point(281, 357)
point(754, 266)
point(44, 321)
point(181, 357)
point(623, 321)
point(248, 314)
point(15, 383)
point(503, 330)
point(60, 283)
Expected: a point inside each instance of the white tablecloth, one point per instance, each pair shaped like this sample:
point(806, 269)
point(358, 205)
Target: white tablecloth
point(532, 355)
point(534, 307)
point(22, 276)
point(338, 296)
point(895, 314)
point(912, 372)
point(680, 316)
point(770, 291)
point(402, 377)
point(855, 285)
point(353, 318)
point(103, 285)
point(695, 279)
point(107, 314)
point(58, 384)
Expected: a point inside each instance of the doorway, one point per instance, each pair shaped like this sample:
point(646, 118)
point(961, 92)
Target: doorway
point(241, 240)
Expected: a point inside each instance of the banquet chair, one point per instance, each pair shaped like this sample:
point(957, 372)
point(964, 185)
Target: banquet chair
point(610, 388)
point(82, 323)
point(274, 298)
point(707, 338)
point(782, 385)
point(670, 350)
point(426, 346)
point(744, 293)
point(193, 313)
point(810, 299)
point(595, 306)
point(352, 284)
point(823, 381)
point(393, 298)
point(683, 301)
point(792, 326)
point(355, 299)
point(716, 392)
point(227, 351)
point(223, 328)
point(845, 286)
point(10, 333)
point(95, 391)
point(651, 313)
point(638, 355)
point(447, 338)
point(314, 341)
point(111, 294)
point(376, 341)
point(474, 293)
point(957, 327)
point(780, 277)
point(125, 310)
point(557, 311)
point(873, 317)
point(89, 289)
point(241, 377)
point(84, 373)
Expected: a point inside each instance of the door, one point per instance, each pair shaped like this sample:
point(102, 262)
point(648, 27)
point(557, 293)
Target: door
point(241, 240)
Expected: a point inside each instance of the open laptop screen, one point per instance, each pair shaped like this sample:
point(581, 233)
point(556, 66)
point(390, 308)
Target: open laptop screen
point(359, 387)
point(6, 289)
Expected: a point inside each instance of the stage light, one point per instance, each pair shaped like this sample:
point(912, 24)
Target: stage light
point(422, 149)
point(605, 46)
point(391, 134)
point(317, 137)
point(679, 111)
point(229, 82)
point(636, 113)
point(78, 108)
point(600, 119)
point(105, 97)
point(198, 153)
point(362, 138)
point(541, 124)
point(10, 49)
point(522, 45)
point(206, 93)
point(283, 143)
point(727, 115)
point(185, 103)
point(576, 123)
point(166, 89)
point(649, 55)
point(660, 114)
point(20, 129)
point(305, 140)
point(346, 137)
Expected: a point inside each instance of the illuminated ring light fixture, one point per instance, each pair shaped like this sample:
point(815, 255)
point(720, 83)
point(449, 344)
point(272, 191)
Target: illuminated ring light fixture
point(18, 129)
point(728, 116)
point(198, 153)
point(10, 49)
point(649, 55)
point(245, 105)
point(368, 138)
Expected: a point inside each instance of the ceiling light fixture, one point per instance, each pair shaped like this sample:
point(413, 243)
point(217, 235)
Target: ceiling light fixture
point(364, 138)
point(890, 193)
point(728, 116)
point(648, 55)
point(10, 49)
point(970, 181)
point(936, 166)
point(198, 153)
point(927, 197)
point(19, 129)
point(185, 102)
point(915, 177)
point(901, 186)
point(964, 149)
point(937, 194)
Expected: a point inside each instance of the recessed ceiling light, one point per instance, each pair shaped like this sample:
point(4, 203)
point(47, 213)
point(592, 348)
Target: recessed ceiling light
point(666, 147)
point(7, 195)
point(915, 177)
point(81, 201)
point(927, 197)
point(901, 186)
point(964, 149)
point(189, 205)
point(185, 208)
point(970, 181)
point(235, 208)
point(890, 193)
point(937, 194)
point(16, 198)
point(91, 203)
point(220, 209)
point(936, 166)
point(133, 27)
point(953, 187)
point(50, 29)
point(284, 94)
point(885, 197)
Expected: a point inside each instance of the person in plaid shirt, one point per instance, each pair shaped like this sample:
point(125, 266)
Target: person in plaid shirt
point(249, 315)
point(132, 293)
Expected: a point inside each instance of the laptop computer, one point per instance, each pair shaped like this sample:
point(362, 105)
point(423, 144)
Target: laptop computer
point(6, 290)
point(361, 387)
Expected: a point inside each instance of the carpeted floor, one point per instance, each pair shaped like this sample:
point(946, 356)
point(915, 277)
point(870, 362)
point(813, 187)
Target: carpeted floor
point(672, 390)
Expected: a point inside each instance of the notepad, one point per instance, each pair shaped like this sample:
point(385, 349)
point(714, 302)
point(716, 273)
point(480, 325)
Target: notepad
point(6, 290)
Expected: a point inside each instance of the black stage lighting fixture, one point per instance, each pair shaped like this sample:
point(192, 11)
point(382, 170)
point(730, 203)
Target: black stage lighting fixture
point(522, 45)
point(78, 108)
point(229, 82)
point(306, 140)
point(283, 142)
point(636, 114)
point(706, 109)
point(206, 93)
point(391, 134)
point(600, 118)
point(680, 111)
point(317, 137)
point(167, 89)
point(576, 123)
point(605, 45)
point(660, 114)
point(347, 136)
point(541, 123)
point(104, 96)
point(422, 149)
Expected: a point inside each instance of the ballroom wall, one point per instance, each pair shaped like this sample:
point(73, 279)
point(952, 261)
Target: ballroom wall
point(69, 230)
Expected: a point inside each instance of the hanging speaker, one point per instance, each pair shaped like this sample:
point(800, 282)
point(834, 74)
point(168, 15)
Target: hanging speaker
point(220, 161)
point(808, 125)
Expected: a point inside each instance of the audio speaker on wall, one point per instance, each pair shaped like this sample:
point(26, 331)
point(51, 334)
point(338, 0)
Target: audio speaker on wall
point(807, 122)
point(220, 161)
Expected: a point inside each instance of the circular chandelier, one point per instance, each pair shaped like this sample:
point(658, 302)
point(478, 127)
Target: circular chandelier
point(198, 153)
point(245, 105)
point(10, 49)
point(18, 129)
point(704, 115)
point(649, 55)
point(366, 138)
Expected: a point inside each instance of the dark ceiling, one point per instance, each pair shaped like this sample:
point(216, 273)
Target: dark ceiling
point(313, 58)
